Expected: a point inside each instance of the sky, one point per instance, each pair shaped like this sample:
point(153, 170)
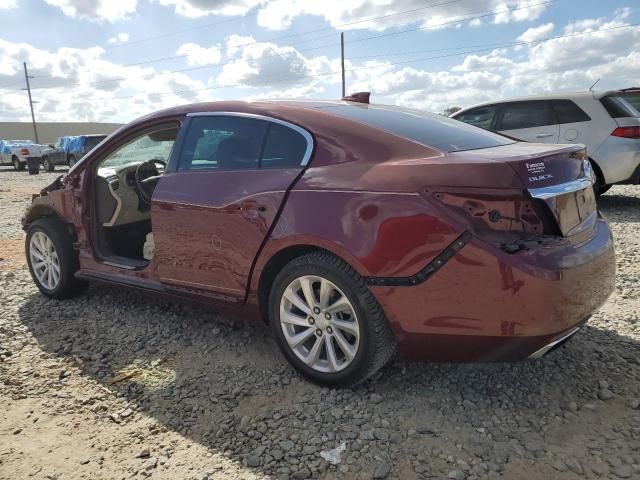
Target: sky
point(116, 60)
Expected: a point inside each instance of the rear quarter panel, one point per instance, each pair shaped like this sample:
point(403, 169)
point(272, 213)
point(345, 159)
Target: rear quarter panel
point(377, 233)
point(592, 134)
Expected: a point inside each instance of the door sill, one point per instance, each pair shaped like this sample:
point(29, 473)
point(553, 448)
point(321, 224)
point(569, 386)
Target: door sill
point(125, 262)
point(125, 280)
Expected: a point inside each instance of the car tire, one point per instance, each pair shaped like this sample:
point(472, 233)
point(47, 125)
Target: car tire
point(362, 323)
point(599, 187)
point(17, 165)
point(72, 160)
point(52, 260)
point(47, 165)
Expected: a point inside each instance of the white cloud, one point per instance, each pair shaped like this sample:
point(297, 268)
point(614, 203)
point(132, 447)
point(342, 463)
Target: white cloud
point(279, 14)
point(198, 55)
point(259, 64)
point(492, 61)
point(97, 10)
point(524, 10)
point(88, 93)
point(201, 8)
point(119, 38)
point(536, 33)
point(7, 4)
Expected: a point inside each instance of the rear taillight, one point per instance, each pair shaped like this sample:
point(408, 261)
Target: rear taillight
point(626, 132)
point(24, 151)
point(502, 214)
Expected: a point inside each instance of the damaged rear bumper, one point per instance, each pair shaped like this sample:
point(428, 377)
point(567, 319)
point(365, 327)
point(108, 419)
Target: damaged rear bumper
point(488, 305)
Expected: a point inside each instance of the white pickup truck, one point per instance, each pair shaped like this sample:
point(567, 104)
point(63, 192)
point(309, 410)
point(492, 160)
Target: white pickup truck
point(16, 152)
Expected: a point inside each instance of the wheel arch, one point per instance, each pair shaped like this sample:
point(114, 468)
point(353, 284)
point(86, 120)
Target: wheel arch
point(38, 211)
point(275, 261)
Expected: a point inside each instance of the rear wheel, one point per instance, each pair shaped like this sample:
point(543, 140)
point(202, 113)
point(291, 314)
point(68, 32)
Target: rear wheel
point(328, 324)
point(52, 260)
point(17, 165)
point(47, 164)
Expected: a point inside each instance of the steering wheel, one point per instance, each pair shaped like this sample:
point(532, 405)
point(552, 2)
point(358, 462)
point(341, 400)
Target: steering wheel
point(146, 177)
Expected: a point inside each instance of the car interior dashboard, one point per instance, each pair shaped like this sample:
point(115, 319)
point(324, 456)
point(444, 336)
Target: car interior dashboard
point(118, 199)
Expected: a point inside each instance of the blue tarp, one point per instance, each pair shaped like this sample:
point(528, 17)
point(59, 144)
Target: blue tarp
point(76, 144)
point(64, 143)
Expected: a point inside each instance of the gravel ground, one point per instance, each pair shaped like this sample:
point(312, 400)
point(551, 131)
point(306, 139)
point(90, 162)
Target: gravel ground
point(116, 384)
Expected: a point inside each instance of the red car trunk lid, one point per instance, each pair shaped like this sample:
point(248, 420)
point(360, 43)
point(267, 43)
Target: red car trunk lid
point(558, 175)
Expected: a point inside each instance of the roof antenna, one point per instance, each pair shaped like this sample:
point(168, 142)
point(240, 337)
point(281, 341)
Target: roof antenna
point(591, 88)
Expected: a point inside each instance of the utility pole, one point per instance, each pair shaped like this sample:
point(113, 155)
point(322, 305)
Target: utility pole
point(342, 58)
point(28, 89)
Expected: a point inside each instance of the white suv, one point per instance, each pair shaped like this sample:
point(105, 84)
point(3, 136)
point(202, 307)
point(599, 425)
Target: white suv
point(604, 122)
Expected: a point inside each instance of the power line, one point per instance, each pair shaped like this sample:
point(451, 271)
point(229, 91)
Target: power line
point(371, 67)
point(11, 84)
point(427, 27)
point(225, 50)
point(178, 32)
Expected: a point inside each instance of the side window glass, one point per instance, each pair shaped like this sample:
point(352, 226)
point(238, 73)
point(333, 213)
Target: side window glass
point(568, 112)
point(480, 117)
point(222, 143)
point(526, 115)
point(155, 145)
point(284, 147)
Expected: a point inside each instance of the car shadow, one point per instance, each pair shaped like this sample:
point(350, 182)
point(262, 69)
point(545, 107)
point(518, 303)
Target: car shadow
point(223, 384)
point(620, 208)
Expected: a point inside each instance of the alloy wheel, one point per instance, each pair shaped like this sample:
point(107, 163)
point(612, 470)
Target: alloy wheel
point(319, 324)
point(44, 260)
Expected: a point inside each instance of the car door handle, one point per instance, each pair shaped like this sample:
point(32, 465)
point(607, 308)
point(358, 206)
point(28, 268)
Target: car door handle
point(544, 135)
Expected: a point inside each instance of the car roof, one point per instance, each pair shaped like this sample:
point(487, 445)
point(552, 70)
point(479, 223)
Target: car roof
point(551, 96)
point(273, 108)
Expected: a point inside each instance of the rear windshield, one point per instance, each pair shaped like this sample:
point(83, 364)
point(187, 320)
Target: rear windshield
point(618, 107)
point(436, 131)
point(633, 98)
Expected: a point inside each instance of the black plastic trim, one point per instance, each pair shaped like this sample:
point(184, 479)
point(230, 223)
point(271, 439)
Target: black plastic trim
point(424, 274)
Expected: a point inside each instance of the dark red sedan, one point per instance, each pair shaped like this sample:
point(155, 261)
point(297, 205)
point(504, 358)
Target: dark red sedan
point(355, 230)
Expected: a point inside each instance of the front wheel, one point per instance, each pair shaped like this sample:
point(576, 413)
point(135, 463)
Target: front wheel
point(327, 323)
point(52, 260)
point(72, 160)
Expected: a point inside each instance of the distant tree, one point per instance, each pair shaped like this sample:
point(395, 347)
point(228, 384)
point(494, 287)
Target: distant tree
point(450, 111)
